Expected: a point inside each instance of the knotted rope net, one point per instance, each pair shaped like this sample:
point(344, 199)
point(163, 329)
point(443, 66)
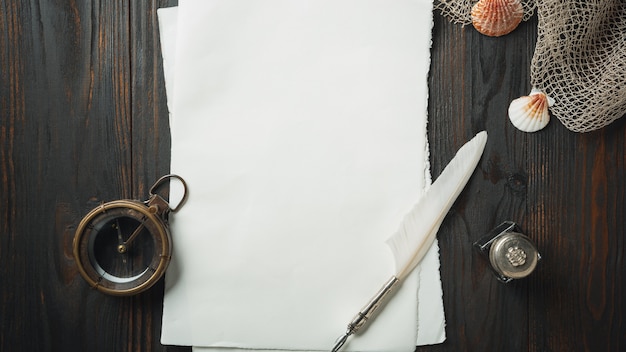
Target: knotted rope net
point(579, 59)
point(458, 11)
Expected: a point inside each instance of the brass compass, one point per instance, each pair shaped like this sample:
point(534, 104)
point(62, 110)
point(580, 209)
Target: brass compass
point(123, 247)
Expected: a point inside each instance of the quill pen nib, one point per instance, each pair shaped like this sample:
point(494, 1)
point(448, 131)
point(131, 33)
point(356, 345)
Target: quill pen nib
point(340, 341)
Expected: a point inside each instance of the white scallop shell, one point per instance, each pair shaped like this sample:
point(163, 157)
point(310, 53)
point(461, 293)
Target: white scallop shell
point(497, 17)
point(530, 112)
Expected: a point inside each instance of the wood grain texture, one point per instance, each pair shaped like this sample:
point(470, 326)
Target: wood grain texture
point(578, 211)
point(83, 119)
point(73, 135)
point(472, 80)
point(566, 190)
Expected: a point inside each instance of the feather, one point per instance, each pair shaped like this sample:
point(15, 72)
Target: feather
point(419, 227)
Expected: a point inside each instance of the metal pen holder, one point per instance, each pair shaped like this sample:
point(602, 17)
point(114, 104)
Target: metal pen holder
point(511, 254)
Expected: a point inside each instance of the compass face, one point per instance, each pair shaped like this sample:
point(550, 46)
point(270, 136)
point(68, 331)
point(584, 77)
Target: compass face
point(122, 247)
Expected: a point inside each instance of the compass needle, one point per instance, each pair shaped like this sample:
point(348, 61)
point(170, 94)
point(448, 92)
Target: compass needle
point(134, 235)
point(120, 239)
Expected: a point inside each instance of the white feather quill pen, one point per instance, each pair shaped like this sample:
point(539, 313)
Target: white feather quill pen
point(419, 227)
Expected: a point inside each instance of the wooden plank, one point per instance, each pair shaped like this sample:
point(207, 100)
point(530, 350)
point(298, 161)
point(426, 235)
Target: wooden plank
point(150, 151)
point(65, 148)
point(151, 135)
point(473, 79)
point(577, 210)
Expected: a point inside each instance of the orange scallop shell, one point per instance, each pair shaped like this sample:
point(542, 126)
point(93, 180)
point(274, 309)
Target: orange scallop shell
point(497, 17)
point(530, 113)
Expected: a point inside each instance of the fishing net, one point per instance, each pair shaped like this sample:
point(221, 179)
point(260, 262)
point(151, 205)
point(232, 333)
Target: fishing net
point(579, 59)
point(459, 11)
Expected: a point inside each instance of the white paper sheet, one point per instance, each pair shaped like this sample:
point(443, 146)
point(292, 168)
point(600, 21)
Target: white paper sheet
point(301, 134)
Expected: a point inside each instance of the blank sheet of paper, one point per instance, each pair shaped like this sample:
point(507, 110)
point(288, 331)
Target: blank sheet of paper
point(300, 127)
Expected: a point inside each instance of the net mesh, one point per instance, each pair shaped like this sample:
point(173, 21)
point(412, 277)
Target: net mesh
point(458, 11)
point(579, 59)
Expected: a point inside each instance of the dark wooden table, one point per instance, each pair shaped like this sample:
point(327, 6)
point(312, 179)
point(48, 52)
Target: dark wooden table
point(83, 119)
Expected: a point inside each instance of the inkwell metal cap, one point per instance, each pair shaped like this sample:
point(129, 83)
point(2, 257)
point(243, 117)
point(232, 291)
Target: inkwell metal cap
point(513, 255)
point(510, 253)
